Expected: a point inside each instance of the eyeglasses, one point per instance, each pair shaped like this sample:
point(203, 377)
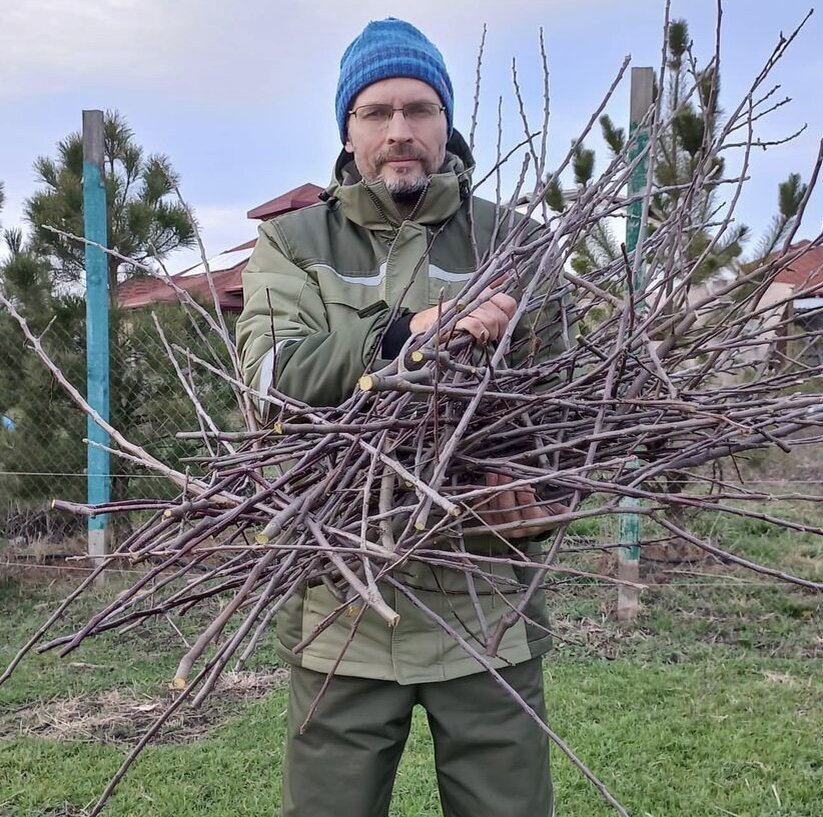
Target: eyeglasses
point(379, 116)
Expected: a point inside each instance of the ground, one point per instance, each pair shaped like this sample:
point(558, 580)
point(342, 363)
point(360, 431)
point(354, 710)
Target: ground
point(710, 704)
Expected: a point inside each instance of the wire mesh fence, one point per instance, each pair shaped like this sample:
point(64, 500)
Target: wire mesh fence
point(42, 449)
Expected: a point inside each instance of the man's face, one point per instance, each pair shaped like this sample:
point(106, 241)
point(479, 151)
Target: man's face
point(402, 153)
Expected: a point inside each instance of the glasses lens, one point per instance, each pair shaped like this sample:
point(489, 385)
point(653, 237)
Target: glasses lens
point(378, 116)
point(374, 114)
point(421, 111)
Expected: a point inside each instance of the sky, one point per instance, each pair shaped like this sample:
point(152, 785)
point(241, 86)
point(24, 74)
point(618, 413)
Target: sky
point(240, 95)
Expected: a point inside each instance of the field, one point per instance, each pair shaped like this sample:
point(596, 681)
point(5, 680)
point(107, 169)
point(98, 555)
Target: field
point(711, 704)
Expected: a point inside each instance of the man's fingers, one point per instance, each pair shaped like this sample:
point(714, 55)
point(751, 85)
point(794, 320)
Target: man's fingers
point(484, 506)
point(421, 321)
point(519, 505)
point(505, 502)
point(481, 326)
point(528, 508)
point(539, 511)
point(497, 508)
point(474, 327)
point(505, 303)
point(487, 322)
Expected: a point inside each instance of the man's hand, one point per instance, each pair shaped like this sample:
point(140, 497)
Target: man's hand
point(519, 505)
point(487, 322)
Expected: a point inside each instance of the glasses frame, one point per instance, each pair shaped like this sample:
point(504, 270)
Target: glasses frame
point(382, 125)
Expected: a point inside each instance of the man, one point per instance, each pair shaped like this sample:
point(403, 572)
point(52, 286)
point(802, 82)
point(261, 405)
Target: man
point(394, 230)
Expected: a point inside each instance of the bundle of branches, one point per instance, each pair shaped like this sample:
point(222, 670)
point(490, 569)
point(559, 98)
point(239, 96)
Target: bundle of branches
point(649, 384)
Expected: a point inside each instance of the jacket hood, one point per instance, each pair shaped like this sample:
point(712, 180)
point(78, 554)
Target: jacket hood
point(371, 205)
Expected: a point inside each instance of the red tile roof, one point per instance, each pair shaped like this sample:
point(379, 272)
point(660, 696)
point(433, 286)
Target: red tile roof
point(295, 199)
point(806, 271)
point(146, 290)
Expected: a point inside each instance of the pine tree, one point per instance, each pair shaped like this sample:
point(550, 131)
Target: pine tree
point(691, 104)
point(148, 404)
point(41, 277)
point(48, 428)
point(145, 222)
point(695, 118)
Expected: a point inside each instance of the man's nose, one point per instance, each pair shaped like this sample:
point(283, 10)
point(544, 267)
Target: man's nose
point(398, 129)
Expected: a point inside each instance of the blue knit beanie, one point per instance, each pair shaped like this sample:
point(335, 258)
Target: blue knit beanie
point(386, 49)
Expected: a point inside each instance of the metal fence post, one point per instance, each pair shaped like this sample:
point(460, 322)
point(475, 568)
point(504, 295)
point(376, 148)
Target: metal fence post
point(97, 325)
point(628, 556)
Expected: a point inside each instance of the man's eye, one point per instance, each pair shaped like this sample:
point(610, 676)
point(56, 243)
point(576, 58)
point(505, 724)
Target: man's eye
point(373, 114)
point(418, 110)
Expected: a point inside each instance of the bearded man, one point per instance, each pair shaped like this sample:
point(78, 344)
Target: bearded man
point(343, 284)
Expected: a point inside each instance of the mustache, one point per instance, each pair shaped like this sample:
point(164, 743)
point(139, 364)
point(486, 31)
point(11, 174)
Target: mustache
point(398, 152)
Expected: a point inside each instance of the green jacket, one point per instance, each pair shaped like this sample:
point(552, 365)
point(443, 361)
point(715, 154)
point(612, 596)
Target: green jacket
point(325, 277)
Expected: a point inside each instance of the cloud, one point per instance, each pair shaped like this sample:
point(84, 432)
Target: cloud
point(195, 48)
point(47, 46)
point(239, 94)
point(221, 227)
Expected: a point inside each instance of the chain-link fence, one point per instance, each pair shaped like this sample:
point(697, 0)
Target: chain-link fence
point(42, 453)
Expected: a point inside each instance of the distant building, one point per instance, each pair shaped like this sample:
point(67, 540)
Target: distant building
point(225, 267)
point(797, 298)
point(805, 276)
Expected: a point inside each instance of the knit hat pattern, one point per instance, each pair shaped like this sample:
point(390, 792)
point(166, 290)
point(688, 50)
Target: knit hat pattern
point(386, 49)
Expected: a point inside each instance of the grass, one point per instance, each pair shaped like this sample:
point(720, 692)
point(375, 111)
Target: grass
point(711, 704)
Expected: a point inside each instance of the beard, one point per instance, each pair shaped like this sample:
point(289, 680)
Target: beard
point(405, 189)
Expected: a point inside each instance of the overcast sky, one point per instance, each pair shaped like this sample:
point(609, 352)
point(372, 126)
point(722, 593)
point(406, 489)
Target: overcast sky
point(240, 95)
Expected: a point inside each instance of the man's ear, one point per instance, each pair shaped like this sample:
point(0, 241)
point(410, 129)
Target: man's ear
point(348, 146)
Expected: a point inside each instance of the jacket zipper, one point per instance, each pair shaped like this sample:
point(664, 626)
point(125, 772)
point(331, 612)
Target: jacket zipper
point(378, 204)
point(419, 202)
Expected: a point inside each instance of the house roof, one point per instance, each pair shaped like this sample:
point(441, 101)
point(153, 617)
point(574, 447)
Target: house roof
point(805, 273)
point(302, 196)
point(225, 267)
point(147, 290)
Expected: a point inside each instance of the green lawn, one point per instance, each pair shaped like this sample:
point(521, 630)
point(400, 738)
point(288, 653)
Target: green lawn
point(712, 704)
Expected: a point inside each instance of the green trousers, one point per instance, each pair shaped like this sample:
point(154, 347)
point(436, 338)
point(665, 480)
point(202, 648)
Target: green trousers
point(492, 759)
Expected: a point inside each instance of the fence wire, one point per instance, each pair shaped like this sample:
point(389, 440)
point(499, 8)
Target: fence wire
point(42, 453)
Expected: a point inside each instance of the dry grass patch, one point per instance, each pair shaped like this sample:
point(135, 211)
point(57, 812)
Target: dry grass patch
point(117, 716)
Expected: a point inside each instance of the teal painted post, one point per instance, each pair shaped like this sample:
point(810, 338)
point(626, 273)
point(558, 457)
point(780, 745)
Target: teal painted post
point(97, 324)
point(628, 556)
point(642, 98)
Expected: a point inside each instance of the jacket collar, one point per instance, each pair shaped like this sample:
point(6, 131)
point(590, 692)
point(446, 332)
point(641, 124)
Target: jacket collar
point(371, 205)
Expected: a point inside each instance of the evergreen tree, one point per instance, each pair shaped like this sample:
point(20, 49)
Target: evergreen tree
point(41, 276)
point(145, 221)
point(48, 428)
point(684, 152)
point(147, 404)
point(692, 104)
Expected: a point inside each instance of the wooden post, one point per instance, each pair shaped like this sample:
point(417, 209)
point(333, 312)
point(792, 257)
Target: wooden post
point(97, 325)
point(628, 556)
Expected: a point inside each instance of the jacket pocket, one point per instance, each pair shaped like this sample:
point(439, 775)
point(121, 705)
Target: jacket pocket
point(357, 291)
